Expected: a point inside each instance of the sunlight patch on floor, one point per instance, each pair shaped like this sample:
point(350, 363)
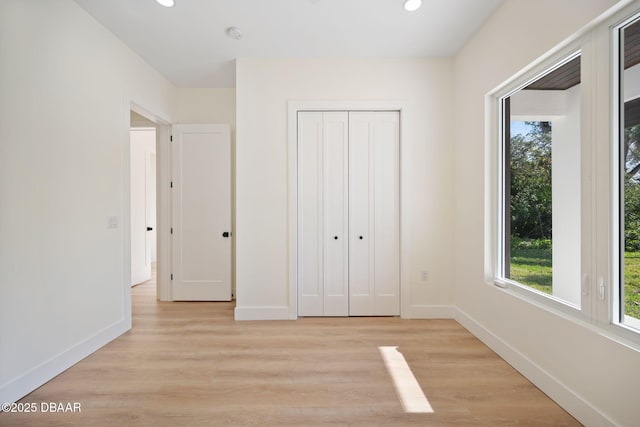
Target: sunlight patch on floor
point(411, 395)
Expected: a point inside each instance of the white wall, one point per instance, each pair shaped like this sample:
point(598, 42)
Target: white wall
point(138, 121)
point(591, 375)
point(66, 84)
point(263, 88)
point(538, 105)
point(631, 83)
point(207, 105)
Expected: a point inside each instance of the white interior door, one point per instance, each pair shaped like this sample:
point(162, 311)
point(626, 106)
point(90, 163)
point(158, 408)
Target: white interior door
point(336, 214)
point(201, 213)
point(374, 262)
point(361, 231)
point(151, 203)
point(322, 214)
point(310, 214)
point(143, 143)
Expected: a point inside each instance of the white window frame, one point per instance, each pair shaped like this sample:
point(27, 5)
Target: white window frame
point(630, 324)
point(599, 222)
point(496, 146)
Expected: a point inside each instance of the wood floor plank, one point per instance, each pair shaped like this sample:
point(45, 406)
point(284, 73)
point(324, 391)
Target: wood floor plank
point(191, 364)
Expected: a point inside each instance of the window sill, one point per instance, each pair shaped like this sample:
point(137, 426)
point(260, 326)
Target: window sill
point(622, 334)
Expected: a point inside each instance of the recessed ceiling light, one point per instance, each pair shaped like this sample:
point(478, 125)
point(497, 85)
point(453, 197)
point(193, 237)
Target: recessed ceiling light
point(411, 5)
point(166, 3)
point(234, 33)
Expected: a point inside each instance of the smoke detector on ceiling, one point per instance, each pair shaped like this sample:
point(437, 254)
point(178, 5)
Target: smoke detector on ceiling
point(234, 33)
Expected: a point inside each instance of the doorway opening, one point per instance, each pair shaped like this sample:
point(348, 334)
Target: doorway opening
point(143, 199)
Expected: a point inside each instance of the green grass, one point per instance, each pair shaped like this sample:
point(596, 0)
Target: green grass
point(532, 267)
point(632, 284)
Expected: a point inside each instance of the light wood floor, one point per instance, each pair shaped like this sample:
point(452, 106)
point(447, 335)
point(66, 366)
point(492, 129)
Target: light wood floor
point(191, 364)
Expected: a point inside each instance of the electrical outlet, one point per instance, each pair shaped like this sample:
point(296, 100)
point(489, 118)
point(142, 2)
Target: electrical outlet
point(112, 222)
point(424, 275)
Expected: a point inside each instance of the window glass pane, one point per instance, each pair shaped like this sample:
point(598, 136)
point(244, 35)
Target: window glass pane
point(531, 204)
point(541, 188)
point(630, 175)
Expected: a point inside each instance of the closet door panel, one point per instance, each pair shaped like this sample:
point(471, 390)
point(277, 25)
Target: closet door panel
point(336, 245)
point(310, 214)
point(361, 293)
point(386, 214)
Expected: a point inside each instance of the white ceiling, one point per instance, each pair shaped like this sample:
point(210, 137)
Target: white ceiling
point(188, 45)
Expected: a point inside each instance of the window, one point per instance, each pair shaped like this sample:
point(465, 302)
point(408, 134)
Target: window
point(541, 183)
point(628, 172)
point(564, 169)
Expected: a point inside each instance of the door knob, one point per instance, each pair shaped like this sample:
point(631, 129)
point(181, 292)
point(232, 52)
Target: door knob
point(226, 234)
point(149, 228)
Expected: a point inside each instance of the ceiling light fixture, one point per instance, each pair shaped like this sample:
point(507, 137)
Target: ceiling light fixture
point(411, 5)
point(166, 3)
point(234, 33)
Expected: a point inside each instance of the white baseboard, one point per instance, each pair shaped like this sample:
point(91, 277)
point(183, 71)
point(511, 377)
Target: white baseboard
point(431, 312)
point(579, 408)
point(262, 313)
point(31, 380)
point(283, 313)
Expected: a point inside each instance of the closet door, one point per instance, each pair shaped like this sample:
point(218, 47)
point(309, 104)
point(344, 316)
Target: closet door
point(374, 278)
point(322, 214)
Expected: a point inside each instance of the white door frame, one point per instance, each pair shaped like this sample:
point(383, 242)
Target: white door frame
point(163, 201)
point(328, 105)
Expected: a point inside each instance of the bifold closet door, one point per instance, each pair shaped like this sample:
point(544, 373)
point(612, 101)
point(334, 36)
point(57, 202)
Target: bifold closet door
point(323, 214)
point(374, 272)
